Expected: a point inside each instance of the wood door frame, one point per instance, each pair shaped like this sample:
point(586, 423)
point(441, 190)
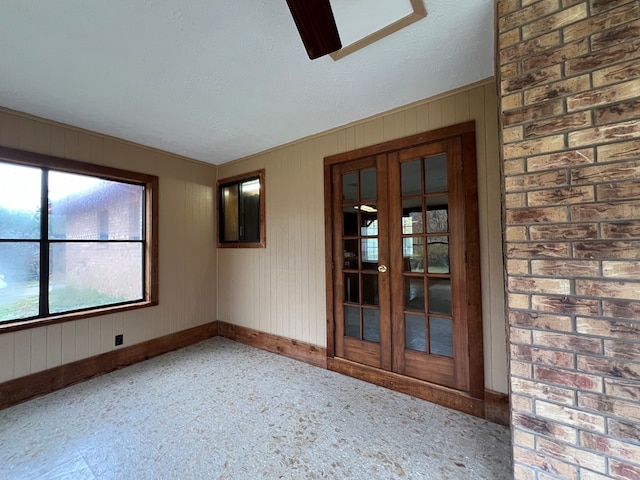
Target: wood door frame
point(466, 131)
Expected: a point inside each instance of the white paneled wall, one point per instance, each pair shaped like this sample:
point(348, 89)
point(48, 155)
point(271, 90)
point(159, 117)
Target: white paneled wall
point(281, 289)
point(187, 263)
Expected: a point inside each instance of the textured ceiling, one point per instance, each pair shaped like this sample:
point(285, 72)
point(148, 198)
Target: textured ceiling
point(217, 80)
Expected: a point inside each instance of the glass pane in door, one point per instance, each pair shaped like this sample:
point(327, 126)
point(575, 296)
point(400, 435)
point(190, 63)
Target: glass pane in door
point(415, 331)
point(371, 324)
point(352, 322)
point(441, 336)
point(435, 174)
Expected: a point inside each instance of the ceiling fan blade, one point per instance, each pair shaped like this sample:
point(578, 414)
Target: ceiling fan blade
point(316, 25)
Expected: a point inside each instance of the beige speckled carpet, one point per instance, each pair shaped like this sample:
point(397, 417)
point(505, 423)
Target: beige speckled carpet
point(222, 410)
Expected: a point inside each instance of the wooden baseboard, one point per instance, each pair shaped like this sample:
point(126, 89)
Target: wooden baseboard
point(496, 407)
point(411, 386)
point(47, 381)
point(305, 352)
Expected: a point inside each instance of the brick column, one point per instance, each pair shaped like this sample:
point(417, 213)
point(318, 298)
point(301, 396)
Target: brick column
point(569, 74)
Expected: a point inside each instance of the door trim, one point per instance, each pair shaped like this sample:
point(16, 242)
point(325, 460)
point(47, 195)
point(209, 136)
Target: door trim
point(465, 131)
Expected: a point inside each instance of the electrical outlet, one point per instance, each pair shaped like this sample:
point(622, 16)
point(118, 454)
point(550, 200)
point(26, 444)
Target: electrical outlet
point(119, 339)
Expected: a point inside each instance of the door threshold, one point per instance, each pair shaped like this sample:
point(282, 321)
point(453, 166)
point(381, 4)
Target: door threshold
point(447, 397)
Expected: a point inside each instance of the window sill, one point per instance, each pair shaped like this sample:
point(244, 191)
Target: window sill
point(15, 326)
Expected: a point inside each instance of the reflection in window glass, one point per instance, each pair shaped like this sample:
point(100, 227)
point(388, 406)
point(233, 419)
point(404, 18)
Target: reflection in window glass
point(440, 295)
point(240, 213)
point(371, 321)
point(415, 331)
point(410, 178)
point(435, 174)
point(441, 336)
point(352, 322)
point(438, 214)
point(438, 254)
point(351, 288)
point(350, 187)
point(412, 215)
point(413, 254)
point(368, 187)
point(82, 275)
point(414, 293)
point(19, 280)
point(20, 197)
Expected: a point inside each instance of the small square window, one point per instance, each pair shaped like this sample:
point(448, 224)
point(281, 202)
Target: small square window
point(241, 211)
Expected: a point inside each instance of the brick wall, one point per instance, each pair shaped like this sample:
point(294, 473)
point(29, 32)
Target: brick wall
point(569, 73)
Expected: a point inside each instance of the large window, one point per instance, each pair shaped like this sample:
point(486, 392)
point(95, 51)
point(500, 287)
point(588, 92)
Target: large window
point(241, 211)
point(75, 239)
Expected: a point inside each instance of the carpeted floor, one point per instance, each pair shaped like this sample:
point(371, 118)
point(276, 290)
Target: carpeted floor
point(222, 410)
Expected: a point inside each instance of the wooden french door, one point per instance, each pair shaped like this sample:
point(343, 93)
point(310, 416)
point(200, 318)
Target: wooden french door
point(405, 293)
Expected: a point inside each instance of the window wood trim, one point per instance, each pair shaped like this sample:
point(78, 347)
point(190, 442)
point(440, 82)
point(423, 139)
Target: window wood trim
point(263, 230)
point(151, 183)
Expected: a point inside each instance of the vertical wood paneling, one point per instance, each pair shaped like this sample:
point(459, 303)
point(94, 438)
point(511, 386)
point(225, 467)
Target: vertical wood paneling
point(68, 352)
point(38, 349)
point(22, 355)
point(285, 281)
point(54, 345)
point(7, 349)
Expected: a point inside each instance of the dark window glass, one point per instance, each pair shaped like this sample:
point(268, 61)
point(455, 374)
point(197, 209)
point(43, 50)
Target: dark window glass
point(241, 211)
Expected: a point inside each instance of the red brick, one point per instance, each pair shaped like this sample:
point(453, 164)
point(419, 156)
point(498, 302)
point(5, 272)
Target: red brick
point(611, 447)
point(537, 250)
point(616, 73)
point(564, 123)
point(624, 470)
point(624, 430)
point(618, 151)
point(608, 289)
point(601, 134)
point(610, 406)
point(563, 341)
point(597, 23)
point(624, 350)
point(621, 309)
point(580, 231)
point(567, 305)
point(523, 15)
point(562, 88)
point(544, 356)
point(586, 62)
point(545, 427)
point(544, 322)
point(608, 328)
point(616, 35)
point(553, 22)
point(533, 112)
point(570, 416)
point(605, 211)
point(606, 250)
point(618, 191)
point(565, 268)
point(608, 367)
point(532, 215)
point(562, 159)
point(626, 229)
point(568, 378)
point(623, 389)
point(543, 391)
point(546, 464)
point(571, 454)
point(602, 96)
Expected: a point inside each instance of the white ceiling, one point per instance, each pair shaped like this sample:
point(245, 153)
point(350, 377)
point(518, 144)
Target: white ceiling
point(217, 80)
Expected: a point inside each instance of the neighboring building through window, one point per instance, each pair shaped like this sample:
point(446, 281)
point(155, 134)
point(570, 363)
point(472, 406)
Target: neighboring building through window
point(241, 211)
point(75, 239)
